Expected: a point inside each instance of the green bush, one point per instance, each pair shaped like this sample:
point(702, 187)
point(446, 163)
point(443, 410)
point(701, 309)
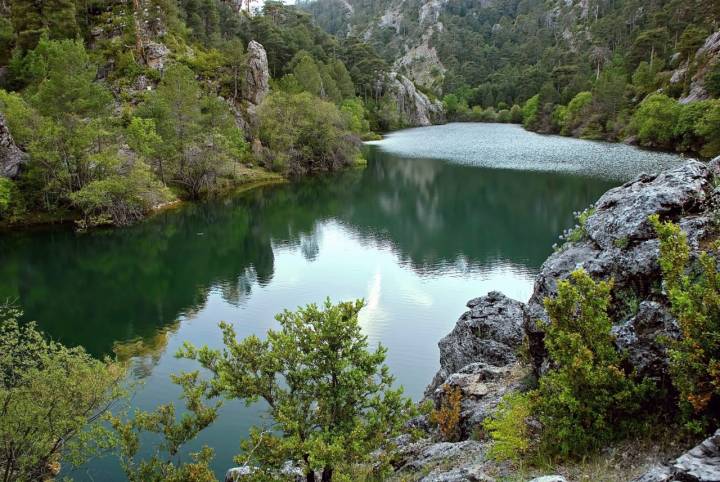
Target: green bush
point(708, 127)
point(508, 429)
point(694, 294)
point(586, 399)
point(51, 398)
point(305, 133)
point(531, 112)
point(655, 120)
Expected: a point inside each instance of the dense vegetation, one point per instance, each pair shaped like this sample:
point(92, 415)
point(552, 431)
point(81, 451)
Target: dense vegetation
point(587, 69)
point(124, 106)
point(51, 402)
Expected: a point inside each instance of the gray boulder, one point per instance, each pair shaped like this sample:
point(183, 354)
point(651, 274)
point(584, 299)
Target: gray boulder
point(257, 76)
point(549, 478)
point(490, 332)
point(11, 157)
point(621, 214)
point(699, 464)
point(641, 338)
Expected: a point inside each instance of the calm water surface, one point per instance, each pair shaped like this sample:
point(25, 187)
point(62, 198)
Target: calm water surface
point(440, 215)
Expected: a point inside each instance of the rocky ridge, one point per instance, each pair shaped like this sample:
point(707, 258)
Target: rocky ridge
point(479, 355)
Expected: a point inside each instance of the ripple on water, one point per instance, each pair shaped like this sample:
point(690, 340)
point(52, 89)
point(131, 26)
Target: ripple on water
point(505, 146)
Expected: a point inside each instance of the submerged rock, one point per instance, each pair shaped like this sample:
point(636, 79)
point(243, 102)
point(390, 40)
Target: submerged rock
point(699, 464)
point(11, 157)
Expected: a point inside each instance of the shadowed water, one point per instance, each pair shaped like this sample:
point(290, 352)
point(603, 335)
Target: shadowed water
point(440, 215)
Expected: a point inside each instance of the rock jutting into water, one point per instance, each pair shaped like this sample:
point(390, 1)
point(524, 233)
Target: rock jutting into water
point(479, 355)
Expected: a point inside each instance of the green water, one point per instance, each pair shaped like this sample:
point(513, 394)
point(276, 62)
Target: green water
point(440, 215)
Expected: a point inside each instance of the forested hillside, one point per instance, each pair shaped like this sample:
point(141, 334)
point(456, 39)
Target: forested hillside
point(607, 69)
point(110, 109)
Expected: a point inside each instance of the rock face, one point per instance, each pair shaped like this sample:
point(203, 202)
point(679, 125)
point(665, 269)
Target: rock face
point(620, 244)
point(710, 55)
point(700, 464)
point(478, 357)
point(415, 107)
point(257, 76)
point(11, 157)
point(489, 333)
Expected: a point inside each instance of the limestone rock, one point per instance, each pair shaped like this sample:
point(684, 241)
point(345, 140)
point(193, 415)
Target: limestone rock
point(621, 214)
point(641, 338)
point(156, 55)
point(257, 76)
point(620, 244)
point(11, 157)
point(699, 464)
point(710, 54)
point(416, 109)
point(490, 333)
point(549, 478)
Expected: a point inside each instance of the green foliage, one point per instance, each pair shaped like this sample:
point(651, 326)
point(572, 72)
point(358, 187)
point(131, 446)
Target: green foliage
point(694, 294)
point(708, 126)
point(51, 400)
point(354, 112)
point(577, 113)
point(586, 399)
point(712, 80)
point(120, 200)
point(305, 133)
point(330, 399)
point(531, 112)
point(508, 429)
point(175, 432)
point(655, 120)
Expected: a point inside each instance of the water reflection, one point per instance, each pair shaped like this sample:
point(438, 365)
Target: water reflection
point(439, 218)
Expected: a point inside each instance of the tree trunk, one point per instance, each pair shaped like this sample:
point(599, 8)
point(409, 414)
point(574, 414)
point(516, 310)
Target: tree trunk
point(327, 474)
point(310, 476)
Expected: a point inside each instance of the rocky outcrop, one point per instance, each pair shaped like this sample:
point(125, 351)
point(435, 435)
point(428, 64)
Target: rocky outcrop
point(11, 157)
point(620, 244)
point(489, 333)
point(700, 464)
point(706, 57)
point(478, 357)
point(415, 108)
point(257, 75)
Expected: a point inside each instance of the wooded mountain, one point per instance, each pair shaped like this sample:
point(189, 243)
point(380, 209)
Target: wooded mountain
point(496, 53)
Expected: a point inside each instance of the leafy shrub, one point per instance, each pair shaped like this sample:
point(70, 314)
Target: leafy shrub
point(586, 399)
point(508, 428)
point(708, 127)
point(655, 120)
point(51, 398)
point(447, 416)
point(305, 133)
point(694, 293)
point(330, 398)
point(120, 200)
point(531, 112)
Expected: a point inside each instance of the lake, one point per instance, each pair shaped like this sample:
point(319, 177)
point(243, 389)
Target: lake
point(440, 215)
